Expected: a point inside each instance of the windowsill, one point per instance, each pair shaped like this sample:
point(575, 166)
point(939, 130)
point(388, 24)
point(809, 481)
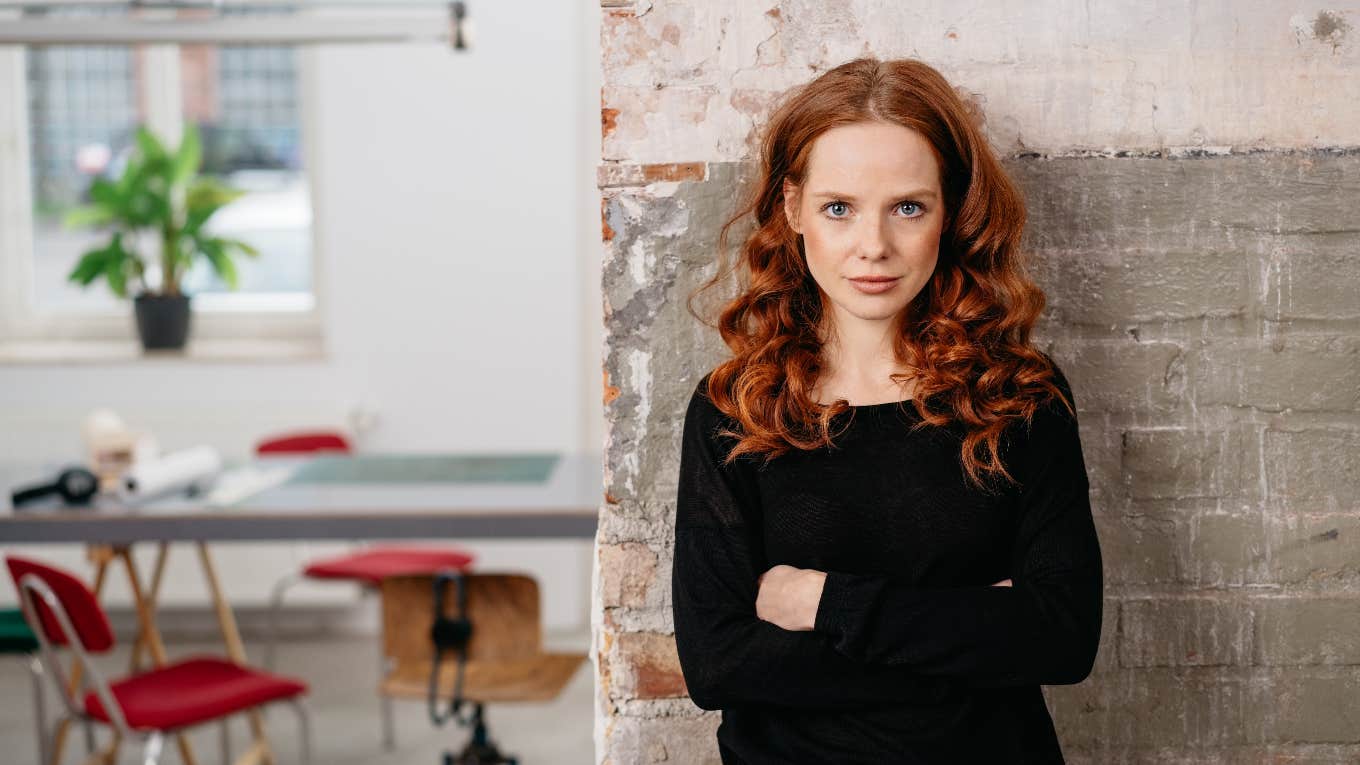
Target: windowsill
point(131, 351)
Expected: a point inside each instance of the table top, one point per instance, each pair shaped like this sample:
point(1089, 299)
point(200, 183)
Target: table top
point(380, 496)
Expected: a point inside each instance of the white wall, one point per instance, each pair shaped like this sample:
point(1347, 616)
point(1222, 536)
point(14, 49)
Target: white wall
point(457, 222)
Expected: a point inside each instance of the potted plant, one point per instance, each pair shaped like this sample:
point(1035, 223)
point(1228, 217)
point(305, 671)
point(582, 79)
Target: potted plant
point(161, 194)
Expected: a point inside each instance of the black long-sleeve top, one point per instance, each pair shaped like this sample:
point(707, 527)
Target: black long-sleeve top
point(915, 657)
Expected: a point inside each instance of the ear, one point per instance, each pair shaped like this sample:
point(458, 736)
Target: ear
point(791, 203)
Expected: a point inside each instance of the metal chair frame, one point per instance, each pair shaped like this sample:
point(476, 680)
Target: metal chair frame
point(287, 582)
point(32, 586)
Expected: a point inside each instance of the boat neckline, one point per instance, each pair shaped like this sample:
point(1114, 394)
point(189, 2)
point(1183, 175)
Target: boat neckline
point(881, 404)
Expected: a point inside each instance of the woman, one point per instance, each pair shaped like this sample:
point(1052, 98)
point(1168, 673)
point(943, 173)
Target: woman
point(883, 538)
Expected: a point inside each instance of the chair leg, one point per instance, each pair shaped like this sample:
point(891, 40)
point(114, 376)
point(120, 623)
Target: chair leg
point(224, 739)
point(276, 606)
point(39, 707)
point(151, 752)
point(389, 723)
point(304, 731)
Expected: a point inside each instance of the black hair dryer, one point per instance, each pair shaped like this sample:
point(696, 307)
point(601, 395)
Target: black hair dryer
point(75, 486)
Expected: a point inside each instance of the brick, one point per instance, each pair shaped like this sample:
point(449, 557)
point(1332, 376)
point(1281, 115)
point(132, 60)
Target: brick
point(1156, 706)
point(1314, 462)
point(1307, 630)
point(1314, 549)
point(1176, 462)
point(1195, 631)
point(671, 740)
point(1137, 550)
point(1237, 203)
point(1316, 705)
point(1122, 376)
point(612, 174)
point(627, 575)
point(1224, 550)
point(1312, 373)
point(1112, 288)
point(1314, 275)
point(645, 666)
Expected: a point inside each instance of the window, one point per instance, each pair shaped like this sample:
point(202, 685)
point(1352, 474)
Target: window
point(69, 113)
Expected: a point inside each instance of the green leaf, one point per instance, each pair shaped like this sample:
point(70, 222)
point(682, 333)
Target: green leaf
point(88, 215)
point(150, 146)
point(91, 265)
point(205, 197)
point(243, 247)
point(221, 262)
point(115, 266)
point(188, 158)
point(105, 192)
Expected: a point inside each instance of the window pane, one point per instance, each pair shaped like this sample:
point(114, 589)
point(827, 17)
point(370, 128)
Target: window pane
point(245, 99)
point(82, 104)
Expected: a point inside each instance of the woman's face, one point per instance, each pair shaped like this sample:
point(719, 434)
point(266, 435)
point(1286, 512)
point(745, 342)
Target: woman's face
point(870, 206)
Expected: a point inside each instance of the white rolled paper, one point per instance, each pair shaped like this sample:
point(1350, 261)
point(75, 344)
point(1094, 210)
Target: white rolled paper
point(197, 466)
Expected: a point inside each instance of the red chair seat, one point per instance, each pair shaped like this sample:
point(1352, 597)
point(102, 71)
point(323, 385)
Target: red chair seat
point(192, 691)
point(371, 565)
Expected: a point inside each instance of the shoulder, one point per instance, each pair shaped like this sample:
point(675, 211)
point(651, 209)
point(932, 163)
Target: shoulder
point(1059, 408)
point(1052, 422)
point(705, 422)
point(702, 416)
point(701, 405)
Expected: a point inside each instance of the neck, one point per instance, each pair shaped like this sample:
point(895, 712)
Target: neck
point(861, 353)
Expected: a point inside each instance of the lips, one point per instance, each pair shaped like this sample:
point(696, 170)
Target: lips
point(873, 285)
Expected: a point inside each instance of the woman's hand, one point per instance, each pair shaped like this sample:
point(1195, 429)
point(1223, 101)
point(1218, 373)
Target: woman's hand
point(787, 597)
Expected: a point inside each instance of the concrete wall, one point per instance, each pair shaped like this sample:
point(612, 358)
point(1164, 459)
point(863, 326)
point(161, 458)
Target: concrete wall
point(1192, 174)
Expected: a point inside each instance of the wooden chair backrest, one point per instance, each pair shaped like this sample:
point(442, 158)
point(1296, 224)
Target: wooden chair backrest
point(503, 608)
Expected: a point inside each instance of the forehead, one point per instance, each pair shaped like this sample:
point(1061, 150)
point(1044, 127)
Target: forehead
point(869, 156)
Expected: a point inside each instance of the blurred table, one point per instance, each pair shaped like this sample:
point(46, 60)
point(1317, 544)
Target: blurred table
point(339, 497)
point(376, 496)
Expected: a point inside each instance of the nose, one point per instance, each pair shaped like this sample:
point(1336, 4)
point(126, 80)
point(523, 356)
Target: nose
point(873, 238)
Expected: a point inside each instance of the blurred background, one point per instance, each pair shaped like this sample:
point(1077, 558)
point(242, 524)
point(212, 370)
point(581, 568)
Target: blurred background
point(427, 281)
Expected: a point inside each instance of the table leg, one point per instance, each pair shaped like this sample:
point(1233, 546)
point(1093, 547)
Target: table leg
point(152, 637)
point(152, 596)
point(235, 650)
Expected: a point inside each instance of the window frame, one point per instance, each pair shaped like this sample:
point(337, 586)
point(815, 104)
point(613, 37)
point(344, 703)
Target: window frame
point(238, 330)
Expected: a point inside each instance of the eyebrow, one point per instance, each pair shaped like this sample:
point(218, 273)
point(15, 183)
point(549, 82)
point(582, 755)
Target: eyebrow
point(919, 193)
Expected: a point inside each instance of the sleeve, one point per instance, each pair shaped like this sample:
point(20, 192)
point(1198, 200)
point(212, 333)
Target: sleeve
point(1044, 629)
point(729, 657)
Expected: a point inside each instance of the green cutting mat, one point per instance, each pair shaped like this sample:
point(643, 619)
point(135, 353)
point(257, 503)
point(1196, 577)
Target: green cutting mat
point(426, 468)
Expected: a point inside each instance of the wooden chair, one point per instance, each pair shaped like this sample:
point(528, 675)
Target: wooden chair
point(489, 624)
point(366, 567)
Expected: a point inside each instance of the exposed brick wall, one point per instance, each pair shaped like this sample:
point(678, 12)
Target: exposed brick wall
point(1205, 303)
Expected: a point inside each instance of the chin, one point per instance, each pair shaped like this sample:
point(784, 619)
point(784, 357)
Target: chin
point(877, 312)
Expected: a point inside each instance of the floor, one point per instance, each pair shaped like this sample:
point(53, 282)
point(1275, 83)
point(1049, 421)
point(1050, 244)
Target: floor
point(341, 672)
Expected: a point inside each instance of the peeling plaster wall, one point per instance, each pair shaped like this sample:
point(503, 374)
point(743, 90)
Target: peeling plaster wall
point(1192, 175)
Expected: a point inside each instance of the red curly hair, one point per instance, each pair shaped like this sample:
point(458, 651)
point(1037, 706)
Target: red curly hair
point(965, 336)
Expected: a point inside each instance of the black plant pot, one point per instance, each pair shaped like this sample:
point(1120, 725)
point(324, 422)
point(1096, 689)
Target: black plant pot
point(162, 320)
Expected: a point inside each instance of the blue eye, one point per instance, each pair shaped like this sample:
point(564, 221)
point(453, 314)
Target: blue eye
point(919, 210)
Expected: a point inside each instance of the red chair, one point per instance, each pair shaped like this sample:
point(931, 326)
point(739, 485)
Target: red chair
point(62, 611)
point(367, 567)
